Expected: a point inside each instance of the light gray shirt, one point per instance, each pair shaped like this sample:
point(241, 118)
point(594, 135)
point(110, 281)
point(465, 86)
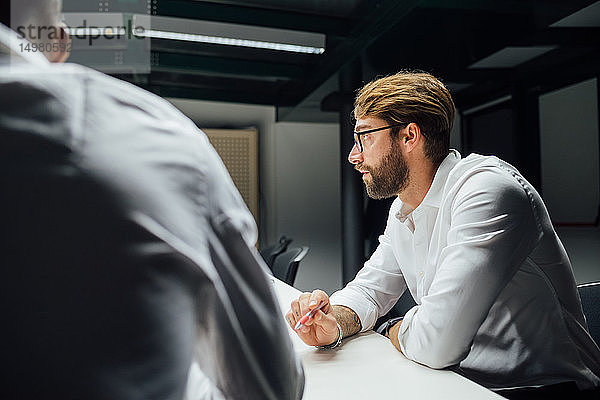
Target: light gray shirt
point(128, 255)
point(494, 287)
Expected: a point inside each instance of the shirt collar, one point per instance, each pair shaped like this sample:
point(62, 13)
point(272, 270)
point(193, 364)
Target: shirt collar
point(433, 197)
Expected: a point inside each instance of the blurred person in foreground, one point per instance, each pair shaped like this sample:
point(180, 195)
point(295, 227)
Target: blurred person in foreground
point(471, 240)
point(129, 268)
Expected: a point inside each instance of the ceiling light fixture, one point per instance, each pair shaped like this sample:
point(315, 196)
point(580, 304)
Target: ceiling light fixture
point(96, 32)
point(510, 57)
point(586, 17)
point(228, 34)
point(190, 37)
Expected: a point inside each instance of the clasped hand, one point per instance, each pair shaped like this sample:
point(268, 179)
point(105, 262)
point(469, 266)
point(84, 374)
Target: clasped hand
point(321, 329)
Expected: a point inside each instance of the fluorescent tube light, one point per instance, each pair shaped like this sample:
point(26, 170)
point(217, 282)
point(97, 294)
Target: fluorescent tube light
point(228, 34)
point(189, 37)
point(106, 32)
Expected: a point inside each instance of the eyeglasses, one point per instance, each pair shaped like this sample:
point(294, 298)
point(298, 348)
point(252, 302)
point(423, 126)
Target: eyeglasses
point(358, 135)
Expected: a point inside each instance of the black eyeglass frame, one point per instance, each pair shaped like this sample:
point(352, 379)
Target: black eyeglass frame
point(357, 135)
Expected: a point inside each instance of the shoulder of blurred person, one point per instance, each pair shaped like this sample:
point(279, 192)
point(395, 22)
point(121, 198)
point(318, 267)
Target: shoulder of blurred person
point(112, 122)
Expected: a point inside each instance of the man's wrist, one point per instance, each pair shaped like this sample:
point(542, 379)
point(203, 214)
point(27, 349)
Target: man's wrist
point(336, 343)
point(384, 329)
point(347, 318)
point(393, 332)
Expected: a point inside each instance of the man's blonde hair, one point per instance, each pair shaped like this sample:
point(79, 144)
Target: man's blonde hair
point(410, 96)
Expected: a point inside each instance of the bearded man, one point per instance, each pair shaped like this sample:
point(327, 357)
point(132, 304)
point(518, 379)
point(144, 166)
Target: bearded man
point(471, 240)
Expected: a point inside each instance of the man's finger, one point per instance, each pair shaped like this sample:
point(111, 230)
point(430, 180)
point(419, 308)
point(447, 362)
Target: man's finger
point(303, 301)
point(319, 297)
point(296, 311)
point(289, 317)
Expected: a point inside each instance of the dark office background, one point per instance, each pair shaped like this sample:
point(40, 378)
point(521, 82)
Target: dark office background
point(523, 73)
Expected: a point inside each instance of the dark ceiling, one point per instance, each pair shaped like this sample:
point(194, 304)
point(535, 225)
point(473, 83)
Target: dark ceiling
point(445, 37)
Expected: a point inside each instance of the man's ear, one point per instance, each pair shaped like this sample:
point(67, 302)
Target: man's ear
point(64, 47)
point(412, 136)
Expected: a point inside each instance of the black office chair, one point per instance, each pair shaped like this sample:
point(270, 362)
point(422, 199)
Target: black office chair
point(270, 252)
point(590, 300)
point(286, 264)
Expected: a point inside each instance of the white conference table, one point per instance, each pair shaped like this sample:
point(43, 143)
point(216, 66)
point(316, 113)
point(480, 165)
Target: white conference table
point(368, 366)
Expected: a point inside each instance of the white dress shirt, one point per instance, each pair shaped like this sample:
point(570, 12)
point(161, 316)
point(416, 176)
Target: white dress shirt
point(128, 262)
point(494, 287)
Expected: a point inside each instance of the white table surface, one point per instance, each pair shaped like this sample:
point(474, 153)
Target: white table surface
point(367, 366)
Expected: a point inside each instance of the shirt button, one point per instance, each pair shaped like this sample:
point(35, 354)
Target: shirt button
point(421, 274)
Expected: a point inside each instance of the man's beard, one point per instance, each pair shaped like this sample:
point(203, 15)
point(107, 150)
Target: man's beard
point(389, 178)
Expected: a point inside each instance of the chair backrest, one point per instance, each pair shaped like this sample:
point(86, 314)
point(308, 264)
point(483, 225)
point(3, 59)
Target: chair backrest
point(590, 300)
point(286, 264)
point(270, 252)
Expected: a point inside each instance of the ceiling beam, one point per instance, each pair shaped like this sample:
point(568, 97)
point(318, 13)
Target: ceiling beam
point(504, 7)
point(208, 94)
point(563, 37)
point(541, 75)
point(553, 7)
point(213, 88)
point(377, 22)
point(196, 64)
point(210, 11)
